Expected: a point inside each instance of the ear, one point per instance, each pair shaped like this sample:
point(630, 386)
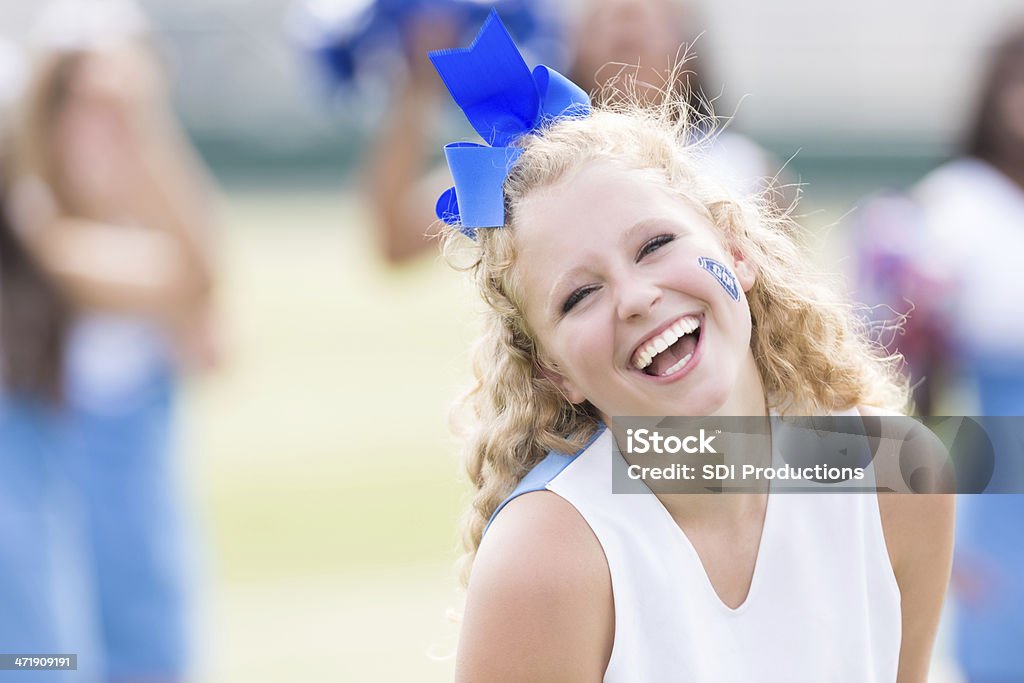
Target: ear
point(549, 371)
point(746, 271)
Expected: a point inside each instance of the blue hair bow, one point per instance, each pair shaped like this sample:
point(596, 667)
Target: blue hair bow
point(503, 100)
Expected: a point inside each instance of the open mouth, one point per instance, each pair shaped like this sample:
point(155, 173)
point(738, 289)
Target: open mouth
point(670, 351)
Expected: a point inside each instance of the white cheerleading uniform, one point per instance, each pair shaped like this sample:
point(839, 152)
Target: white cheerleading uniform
point(823, 605)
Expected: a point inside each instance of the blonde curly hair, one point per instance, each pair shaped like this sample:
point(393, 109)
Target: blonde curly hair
point(809, 345)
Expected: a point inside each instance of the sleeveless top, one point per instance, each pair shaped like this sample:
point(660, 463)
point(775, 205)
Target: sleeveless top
point(823, 605)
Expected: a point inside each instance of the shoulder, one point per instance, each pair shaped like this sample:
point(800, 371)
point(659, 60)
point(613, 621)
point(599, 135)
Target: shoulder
point(543, 531)
point(539, 605)
point(953, 176)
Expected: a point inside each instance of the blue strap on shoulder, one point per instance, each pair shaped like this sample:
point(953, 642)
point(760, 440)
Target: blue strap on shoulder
point(543, 473)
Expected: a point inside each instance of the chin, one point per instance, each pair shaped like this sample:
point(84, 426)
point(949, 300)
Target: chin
point(705, 400)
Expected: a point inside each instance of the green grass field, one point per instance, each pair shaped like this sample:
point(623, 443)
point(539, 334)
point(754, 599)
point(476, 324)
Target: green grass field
point(327, 483)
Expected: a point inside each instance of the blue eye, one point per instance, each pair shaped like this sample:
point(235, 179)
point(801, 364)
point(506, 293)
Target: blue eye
point(576, 297)
point(654, 244)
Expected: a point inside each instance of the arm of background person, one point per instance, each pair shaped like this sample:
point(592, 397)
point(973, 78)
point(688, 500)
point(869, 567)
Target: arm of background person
point(401, 189)
point(918, 530)
point(919, 533)
point(176, 194)
point(104, 267)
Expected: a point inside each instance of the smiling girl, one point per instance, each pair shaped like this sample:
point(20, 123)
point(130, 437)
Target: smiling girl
point(622, 280)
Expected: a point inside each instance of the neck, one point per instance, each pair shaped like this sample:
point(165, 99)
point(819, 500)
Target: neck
point(747, 400)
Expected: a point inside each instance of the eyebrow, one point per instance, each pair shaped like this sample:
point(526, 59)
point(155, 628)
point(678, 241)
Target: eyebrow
point(555, 307)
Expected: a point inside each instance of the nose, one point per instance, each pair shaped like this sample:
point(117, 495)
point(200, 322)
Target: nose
point(635, 297)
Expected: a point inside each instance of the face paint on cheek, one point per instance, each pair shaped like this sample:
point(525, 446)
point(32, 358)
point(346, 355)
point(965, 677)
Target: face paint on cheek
point(722, 274)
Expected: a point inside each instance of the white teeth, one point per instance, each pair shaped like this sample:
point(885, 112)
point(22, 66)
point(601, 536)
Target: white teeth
point(679, 365)
point(664, 340)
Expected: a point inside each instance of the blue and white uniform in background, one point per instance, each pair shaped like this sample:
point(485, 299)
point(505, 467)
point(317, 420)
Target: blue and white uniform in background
point(121, 389)
point(975, 218)
point(31, 564)
point(45, 605)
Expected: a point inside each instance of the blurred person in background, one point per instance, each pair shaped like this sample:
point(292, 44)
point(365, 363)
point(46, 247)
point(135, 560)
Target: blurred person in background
point(403, 177)
point(117, 210)
point(640, 42)
point(34, 319)
point(614, 42)
point(365, 52)
point(950, 252)
point(973, 209)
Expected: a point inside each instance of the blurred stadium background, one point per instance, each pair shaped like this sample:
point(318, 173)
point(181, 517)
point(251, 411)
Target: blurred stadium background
point(326, 481)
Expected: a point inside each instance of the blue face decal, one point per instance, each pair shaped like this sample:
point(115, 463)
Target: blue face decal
point(722, 274)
